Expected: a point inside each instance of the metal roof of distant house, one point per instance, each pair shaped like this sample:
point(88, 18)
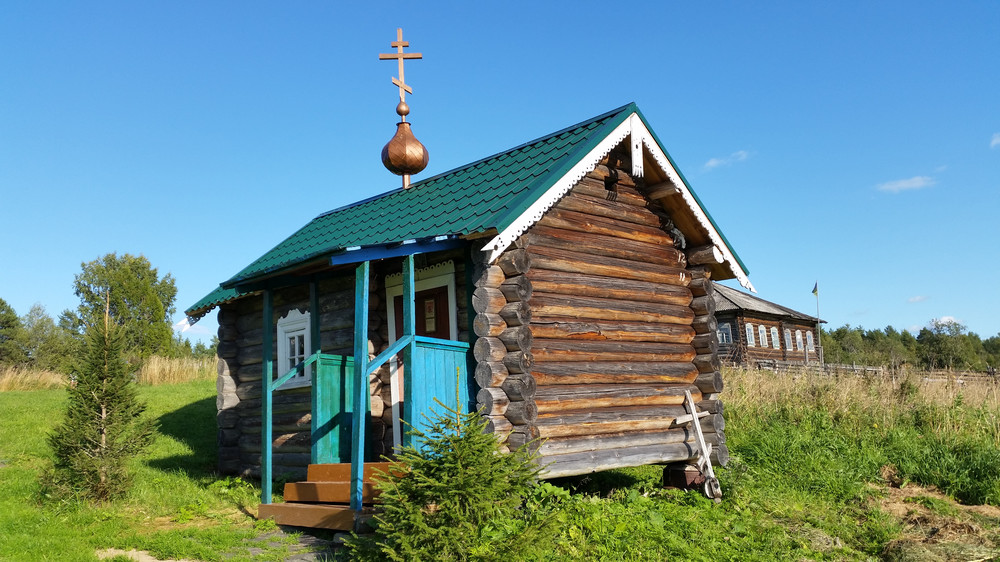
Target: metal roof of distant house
point(504, 193)
point(728, 299)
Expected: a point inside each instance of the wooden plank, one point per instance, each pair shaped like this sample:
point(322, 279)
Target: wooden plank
point(327, 492)
point(337, 472)
point(266, 406)
point(338, 518)
point(360, 398)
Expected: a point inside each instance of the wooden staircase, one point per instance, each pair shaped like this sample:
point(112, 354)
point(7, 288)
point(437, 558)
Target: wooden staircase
point(323, 500)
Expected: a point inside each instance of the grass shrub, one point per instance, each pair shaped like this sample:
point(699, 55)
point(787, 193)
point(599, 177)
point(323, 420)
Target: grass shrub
point(25, 378)
point(158, 370)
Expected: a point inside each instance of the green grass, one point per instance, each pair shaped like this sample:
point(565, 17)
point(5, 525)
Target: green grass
point(178, 507)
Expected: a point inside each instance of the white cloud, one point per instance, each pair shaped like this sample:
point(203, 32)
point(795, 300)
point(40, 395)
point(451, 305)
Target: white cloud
point(738, 156)
point(995, 141)
point(182, 326)
point(916, 182)
point(944, 319)
point(918, 298)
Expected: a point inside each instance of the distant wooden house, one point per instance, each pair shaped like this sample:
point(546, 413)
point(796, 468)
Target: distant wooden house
point(755, 332)
point(561, 287)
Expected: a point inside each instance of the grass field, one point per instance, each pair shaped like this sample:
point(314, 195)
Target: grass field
point(823, 469)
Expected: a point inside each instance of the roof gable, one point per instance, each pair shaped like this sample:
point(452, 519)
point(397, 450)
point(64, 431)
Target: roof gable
point(505, 193)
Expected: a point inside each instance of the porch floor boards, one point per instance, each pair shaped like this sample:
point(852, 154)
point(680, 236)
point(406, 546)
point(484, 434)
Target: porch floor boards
point(323, 500)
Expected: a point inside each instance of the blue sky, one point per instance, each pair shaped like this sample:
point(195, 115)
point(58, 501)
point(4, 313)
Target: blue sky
point(853, 143)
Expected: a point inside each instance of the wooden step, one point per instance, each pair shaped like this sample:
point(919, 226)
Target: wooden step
point(341, 472)
point(327, 492)
point(336, 517)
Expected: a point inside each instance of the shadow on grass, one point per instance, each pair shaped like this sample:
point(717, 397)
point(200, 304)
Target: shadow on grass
point(607, 482)
point(193, 425)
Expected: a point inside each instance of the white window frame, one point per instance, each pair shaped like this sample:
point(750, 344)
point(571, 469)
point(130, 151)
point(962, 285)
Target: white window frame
point(438, 275)
point(750, 336)
point(292, 324)
point(798, 340)
point(762, 334)
point(775, 338)
point(810, 344)
point(788, 339)
point(725, 333)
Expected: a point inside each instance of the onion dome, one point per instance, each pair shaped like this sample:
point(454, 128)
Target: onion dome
point(404, 155)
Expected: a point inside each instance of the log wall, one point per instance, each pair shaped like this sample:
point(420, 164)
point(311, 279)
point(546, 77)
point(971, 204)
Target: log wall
point(740, 353)
point(590, 330)
point(240, 366)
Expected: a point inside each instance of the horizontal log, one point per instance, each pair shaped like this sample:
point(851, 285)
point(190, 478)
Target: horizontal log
point(707, 363)
point(567, 397)
point(616, 420)
point(516, 338)
point(700, 286)
point(585, 285)
point(490, 374)
point(498, 425)
point(524, 435)
point(516, 289)
point(573, 329)
point(594, 187)
point(550, 373)
point(595, 308)
point(492, 401)
point(492, 276)
point(571, 464)
point(703, 305)
point(489, 349)
point(609, 210)
point(514, 262)
point(582, 222)
point(519, 387)
point(516, 314)
point(709, 382)
point(706, 343)
point(590, 351)
point(488, 324)
point(661, 190)
point(521, 412)
point(714, 406)
point(704, 324)
point(519, 361)
point(573, 262)
point(599, 442)
point(486, 299)
point(705, 255)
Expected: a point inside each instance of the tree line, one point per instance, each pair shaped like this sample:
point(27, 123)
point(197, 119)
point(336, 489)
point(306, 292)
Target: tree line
point(126, 289)
point(943, 344)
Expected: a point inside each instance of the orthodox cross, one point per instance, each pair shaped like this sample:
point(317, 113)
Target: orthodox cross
point(400, 56)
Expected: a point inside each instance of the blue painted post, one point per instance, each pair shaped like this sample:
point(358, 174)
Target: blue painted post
point(409, 329)
point(360, 384)
point(267, 376)
point(319, 394)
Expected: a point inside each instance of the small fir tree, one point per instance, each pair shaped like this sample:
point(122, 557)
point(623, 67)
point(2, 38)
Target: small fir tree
point(457, 497)
point(104, 427)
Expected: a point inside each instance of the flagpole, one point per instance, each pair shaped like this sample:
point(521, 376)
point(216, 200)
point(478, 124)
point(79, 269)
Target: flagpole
point(819, 325)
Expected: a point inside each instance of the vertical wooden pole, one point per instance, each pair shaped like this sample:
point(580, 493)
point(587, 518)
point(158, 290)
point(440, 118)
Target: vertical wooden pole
point(409, 329)
point(360, 384)
point(266, 380)
point(319, 452)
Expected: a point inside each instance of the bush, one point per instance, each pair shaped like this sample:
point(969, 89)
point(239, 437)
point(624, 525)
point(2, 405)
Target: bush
point(456, 497)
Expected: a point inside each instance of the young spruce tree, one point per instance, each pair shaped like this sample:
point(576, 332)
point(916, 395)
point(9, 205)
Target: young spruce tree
point(103, 428)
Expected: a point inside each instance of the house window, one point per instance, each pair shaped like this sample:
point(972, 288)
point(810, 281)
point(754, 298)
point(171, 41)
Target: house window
point(762, 331)
point(798, 340)
point(436, 311)
point(294, 346)
point(775, 340)
point(809, 341)
point(750, 338)
point(788, 339)
point(725, 333)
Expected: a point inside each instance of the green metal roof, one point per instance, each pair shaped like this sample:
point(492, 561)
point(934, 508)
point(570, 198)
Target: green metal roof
point(487, 194)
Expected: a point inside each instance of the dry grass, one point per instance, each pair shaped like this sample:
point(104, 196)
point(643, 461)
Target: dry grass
point(165, 370)
point(23, 378)
point(881, 398)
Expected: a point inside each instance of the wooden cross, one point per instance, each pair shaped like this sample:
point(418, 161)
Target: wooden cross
point(400, 55)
